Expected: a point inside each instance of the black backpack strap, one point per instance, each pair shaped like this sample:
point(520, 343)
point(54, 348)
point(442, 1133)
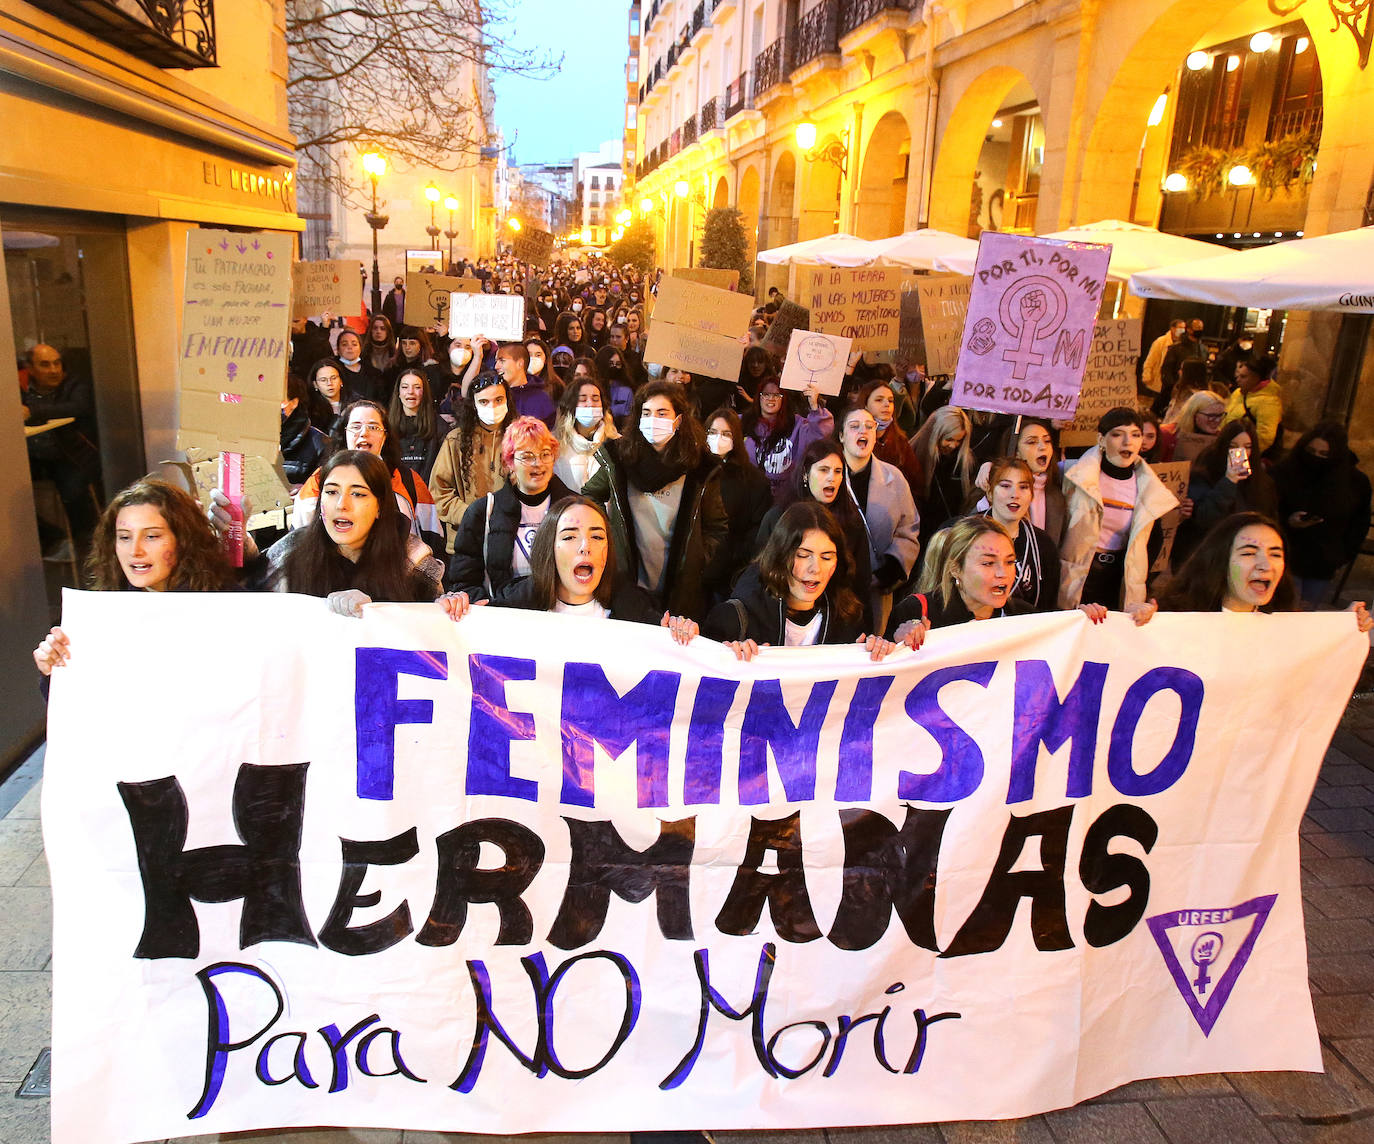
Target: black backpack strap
point(408, 479)
point(743, 618)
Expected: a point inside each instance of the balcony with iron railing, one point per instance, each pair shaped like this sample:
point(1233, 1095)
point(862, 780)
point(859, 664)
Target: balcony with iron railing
point(699, 17)
point(818, 34)
point(675, 142)
point(707, 120)
point(739, 96)
point(856, 13)
point(689, 131)
point(1303, 121)
point(721, 10)
point(772, 66)
point(164, 33)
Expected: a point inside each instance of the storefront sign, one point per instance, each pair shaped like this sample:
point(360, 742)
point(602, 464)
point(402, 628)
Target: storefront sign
point(1030, 325)
point(501, 877)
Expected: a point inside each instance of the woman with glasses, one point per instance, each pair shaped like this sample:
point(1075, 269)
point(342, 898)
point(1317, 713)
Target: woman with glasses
point(496, 538)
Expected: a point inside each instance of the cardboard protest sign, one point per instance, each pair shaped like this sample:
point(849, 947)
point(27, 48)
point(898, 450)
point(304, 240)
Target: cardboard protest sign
point(815, 359)
point(532, 246)
point(427, 296)
point(497, 316)
point(789, 317)
point(1174, 475)
point(700, 325)
point(863, 303)
point(334, 287)
point(932, 321)
point(1109, 379)
point(235, 324)
point(475, 879)
point(1029, 325)
point(709, 276)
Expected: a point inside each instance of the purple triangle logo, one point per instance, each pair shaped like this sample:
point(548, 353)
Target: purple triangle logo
point(1206, 949)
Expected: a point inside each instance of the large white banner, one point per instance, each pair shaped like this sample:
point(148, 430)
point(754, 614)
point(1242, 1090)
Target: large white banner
point(530, 873)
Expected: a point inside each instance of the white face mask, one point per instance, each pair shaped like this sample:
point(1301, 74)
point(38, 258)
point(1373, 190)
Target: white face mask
point(459, 356)
point(588, 415)
point(657, 430)
point(492, 414)
point(577, 307)
point(536, 363)
point(720, 443)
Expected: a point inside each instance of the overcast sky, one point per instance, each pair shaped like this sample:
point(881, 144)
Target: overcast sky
point(584, 104)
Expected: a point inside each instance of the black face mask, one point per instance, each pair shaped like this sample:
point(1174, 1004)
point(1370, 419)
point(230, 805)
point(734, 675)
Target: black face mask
point(1315, 464)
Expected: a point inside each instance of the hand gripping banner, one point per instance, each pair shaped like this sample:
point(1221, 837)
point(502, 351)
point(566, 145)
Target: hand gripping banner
point(531, 873)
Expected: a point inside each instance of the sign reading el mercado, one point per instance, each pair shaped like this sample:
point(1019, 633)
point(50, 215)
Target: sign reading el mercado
point(235, 321)
point(478, 880)
point(499, 316)
point(1108, 381)
point(862, 304)
point(698, 328)
point(1029, 325)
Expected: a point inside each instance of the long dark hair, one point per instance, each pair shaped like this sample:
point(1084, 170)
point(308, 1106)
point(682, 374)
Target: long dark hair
point(739, 453)
point(782, 428)
point(1200, 584)
point(200, 562)
point(543, 567)
point(338, 436)
point(560, 329)
point(469, 425)
point(775, 561)
point(424, 423)
point(688, 445)
point(316, 405)
point(316, 567)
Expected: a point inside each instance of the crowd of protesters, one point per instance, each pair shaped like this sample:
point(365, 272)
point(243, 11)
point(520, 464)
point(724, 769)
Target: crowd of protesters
point(567, 472)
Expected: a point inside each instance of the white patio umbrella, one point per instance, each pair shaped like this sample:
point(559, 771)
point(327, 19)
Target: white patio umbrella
point(919, 249)
point(1134, 247)
point(1330, 272)
point(831, 250)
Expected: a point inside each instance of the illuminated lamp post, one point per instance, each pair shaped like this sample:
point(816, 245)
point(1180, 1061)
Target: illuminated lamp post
point(374, 163)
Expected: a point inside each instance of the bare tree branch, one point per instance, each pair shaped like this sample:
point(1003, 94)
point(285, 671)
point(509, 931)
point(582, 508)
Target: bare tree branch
point(409, 77)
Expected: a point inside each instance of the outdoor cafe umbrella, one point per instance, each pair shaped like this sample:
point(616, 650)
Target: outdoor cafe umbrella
point(1330, 272)
point(1134, 247)
point(831, 250)
point(919, 249)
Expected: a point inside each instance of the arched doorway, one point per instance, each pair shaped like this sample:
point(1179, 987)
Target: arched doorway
point(721, 198)
point(820, 210)
point(749, 208)
point(880, 201)
point(987, 170)
point(782, 195)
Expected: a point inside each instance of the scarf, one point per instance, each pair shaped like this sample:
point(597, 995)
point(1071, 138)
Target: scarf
point(653, 472)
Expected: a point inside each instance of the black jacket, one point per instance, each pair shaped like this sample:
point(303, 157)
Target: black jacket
point(698, 533)
point(484, 551)
point(303, 447)
point(747, 497)
point(628, 602)
point(930, 607)
point(764, 616)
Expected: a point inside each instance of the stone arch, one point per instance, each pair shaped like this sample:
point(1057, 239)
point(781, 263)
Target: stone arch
point(748, 203)
point(880, 198)
point(956, 160)
point(1149, 57)
point(782, 200)
point(721, 196)
point(819, 215)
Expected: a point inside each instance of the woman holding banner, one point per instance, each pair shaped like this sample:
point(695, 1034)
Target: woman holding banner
point(797, 592)
point(1114, 499)
point(1010, 488)
point(573, 572)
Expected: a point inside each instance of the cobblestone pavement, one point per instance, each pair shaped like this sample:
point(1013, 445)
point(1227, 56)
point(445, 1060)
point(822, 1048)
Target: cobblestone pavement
point(1336, 1107)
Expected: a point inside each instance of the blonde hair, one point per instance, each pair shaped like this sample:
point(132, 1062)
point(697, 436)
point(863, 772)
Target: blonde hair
point(1202, 399)
point(944, 422)
point(947, 550)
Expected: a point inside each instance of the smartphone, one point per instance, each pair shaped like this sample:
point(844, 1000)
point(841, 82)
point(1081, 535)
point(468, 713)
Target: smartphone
point(1239, 458)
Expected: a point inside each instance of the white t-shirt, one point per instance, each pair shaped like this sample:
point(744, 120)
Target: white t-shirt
point(531, 515)
point(593, 608)
point(803, 635)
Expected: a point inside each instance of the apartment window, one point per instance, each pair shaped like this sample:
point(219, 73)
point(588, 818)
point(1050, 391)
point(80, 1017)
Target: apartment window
point(634, 69)
point(630, 112)
point(596, 182)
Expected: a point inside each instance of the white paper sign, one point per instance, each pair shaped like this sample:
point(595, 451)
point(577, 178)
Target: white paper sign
point(497, 316)
point(815, 359)
point(505, 876)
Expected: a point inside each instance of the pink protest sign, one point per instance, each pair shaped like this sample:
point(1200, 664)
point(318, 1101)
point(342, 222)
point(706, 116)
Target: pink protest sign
point(1030, 325)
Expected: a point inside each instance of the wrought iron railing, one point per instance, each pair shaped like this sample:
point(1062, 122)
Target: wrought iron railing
point(165, 33)
point(772, 65)
point(707, 121)
point(672, 55)
point(1304, 121)
point(689, 131)
point(699, 17)
point(818, 33)
point(675, 142)
point(738, 96)
point(854, 13)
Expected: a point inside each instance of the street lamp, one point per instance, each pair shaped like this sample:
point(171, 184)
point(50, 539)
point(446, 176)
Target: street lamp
point(624, 217)
point(432, 194)
point(835, 152)
point(682, 188)
point(452, 204)
point(514, 224)
point(646, 205)
point(374, 163)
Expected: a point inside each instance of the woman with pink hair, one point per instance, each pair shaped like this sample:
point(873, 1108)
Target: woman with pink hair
point(495, 539)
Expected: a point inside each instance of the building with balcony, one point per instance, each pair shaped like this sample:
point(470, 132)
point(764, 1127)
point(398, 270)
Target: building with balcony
point(968, 115)
point(630, 152)
point(127, 127)
point(598, 179)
